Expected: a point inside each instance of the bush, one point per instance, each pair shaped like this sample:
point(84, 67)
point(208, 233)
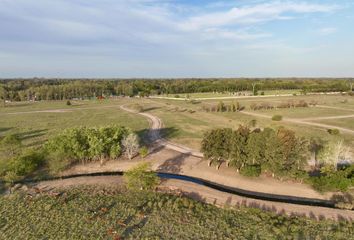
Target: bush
point(339, 180)
point(58, 162)
point(26, 163)
point(277, 118)
point(251, 170)
point(68, 103)
point(144, 151)
point(333, 131)
point(343, 201)
point(85, 144)
point(140, 178)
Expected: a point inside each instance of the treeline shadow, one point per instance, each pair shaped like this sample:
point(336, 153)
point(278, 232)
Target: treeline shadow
point(150, 109)
point(5, 129)
point(145, 135)
point(32, 134)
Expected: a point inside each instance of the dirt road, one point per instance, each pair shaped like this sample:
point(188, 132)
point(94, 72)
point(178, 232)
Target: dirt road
point(155, 136)
point(207, 195)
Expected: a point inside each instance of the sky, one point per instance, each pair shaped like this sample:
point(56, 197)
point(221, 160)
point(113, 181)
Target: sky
point(176, 38)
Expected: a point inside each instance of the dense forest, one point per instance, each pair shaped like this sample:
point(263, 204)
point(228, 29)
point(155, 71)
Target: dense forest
point(59, 89)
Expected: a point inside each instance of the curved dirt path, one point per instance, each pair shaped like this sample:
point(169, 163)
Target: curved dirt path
point(204, 194)
point(154, 134)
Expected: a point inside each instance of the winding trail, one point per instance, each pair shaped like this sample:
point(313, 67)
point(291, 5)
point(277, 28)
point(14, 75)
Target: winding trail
point(155, 136)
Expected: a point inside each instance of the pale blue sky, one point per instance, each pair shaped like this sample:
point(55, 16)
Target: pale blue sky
point(170, 38)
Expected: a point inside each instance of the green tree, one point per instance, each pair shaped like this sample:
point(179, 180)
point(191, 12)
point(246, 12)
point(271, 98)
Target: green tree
point(295, 150)
point(141, 178)
point(238, 147)
point(3, 95)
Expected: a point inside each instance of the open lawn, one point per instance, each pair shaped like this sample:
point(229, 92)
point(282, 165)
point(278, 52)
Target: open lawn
point(36, 122)
point(343, 122)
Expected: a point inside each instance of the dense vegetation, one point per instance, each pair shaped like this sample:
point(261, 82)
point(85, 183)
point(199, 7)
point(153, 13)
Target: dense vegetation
point(106, 214)
point(280, 153)
point(141, 178)
point(73, 145)
point(60, 89)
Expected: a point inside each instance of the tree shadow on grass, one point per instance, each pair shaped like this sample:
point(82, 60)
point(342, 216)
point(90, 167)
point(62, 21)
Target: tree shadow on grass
point(146, 136)
point(195, 196)
point(4, 129)
point(32, 134)
point(2, 187)
point(130, 229)
point(150, 109)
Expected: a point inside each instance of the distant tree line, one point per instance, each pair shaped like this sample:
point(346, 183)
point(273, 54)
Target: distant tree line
point(64, 89)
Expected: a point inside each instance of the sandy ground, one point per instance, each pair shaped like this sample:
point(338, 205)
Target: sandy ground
point(207, 195)
point(163, 159)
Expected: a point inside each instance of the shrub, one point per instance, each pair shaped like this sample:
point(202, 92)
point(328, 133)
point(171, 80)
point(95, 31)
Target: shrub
point(177, 96)
point(11, 177)
point(339, 180)
point(333, 131)
point(131, 145)
point(58, 162)
point(26, 163)
point(343, 201)
point(144, 151)
point(140, 178)
point(10, 145)
point(85, 144)
point(277, 118)
point(68, 103)
point(251, 170)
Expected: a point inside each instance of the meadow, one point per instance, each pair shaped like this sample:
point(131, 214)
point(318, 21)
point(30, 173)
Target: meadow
point(189, 121)
point(184, 121)
point(36, 122)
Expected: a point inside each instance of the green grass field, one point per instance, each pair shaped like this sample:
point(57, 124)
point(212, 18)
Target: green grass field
point(189, 127)
point(103, 214)
point(36, 127)
point(184, 121)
